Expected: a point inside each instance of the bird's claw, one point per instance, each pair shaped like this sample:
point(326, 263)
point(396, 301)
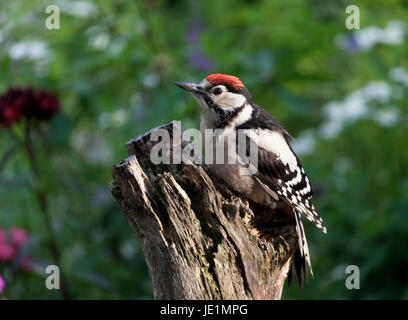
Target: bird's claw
point(244, 206)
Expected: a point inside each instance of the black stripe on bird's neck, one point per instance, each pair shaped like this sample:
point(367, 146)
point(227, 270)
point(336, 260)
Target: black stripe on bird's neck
point(227, 116)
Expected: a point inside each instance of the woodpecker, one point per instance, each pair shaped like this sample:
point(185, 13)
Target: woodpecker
point(279, 179)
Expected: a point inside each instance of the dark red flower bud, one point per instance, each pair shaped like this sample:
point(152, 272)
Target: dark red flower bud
point(47, 105)
point(10, 109)
point(30, 103)
point(9, 115)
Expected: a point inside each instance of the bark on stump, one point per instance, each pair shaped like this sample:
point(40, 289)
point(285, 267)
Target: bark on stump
point(199, 243)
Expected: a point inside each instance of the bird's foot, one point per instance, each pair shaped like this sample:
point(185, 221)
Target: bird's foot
point(243, 205)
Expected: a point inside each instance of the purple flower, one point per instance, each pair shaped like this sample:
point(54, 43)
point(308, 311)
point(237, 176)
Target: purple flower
point(351, 43)
point(192, 34)
point(198, 61)
point(2, 284)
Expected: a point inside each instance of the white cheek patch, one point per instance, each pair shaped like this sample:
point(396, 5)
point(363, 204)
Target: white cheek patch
point(273, 141)
point(229, 100)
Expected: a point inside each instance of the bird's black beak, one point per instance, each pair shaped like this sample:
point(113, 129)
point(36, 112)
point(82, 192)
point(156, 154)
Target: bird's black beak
point(193, 88)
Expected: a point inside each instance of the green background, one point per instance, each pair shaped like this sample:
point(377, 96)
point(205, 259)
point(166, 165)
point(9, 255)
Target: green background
point(113, 64)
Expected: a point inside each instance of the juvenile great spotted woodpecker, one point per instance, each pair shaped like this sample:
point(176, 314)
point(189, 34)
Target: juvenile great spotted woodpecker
point(279, 179)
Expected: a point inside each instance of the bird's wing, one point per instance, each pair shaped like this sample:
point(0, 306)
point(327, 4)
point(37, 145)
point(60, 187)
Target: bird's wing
point(280, 170)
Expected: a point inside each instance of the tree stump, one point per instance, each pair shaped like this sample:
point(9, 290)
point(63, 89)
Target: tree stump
point(198, 240)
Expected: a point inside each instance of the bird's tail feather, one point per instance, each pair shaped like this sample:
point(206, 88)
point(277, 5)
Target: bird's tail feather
point(299, 267)
point(302, 256)
point(304, 249)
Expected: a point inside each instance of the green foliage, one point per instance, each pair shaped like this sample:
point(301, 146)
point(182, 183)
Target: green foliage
point(113, 66)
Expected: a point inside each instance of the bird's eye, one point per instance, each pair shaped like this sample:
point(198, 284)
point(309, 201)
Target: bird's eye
point(217, 91)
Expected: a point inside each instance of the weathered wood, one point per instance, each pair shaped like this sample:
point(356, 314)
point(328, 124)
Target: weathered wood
point(198, 241)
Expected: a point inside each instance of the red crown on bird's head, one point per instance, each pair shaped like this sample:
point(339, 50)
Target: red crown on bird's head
point(218, 78)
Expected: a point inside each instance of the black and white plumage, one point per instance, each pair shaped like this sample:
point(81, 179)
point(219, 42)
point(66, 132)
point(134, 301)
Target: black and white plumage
point(279, 167)
point(279, 178)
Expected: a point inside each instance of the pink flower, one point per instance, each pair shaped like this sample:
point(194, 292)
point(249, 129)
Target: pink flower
point(7, 252)
point(11, 243)
point(2, 284)
point(18, 237)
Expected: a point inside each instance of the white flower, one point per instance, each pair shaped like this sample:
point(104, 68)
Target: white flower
point(334, 110)
point(377, 91)
point(393, 33)
point(31, 50)
point(399, 74)
point(151, 80)
point(331, 129)
point(77, 8)
point(304, 143)
point(100, 41)
point(354, 108)
point(386, 117)
point(119, 117)
point(364, 39)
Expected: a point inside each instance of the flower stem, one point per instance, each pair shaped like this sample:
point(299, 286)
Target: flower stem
point(6, 157)
point(42, 200)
